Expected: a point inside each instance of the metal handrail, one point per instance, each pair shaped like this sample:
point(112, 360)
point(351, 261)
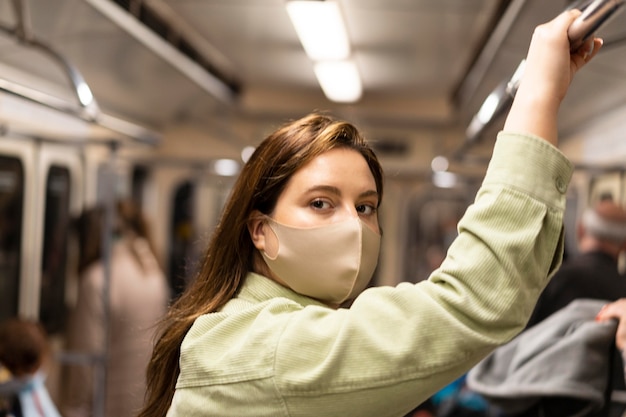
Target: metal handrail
point(89, 109)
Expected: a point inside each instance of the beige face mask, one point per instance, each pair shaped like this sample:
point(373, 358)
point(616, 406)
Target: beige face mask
point(331, 263)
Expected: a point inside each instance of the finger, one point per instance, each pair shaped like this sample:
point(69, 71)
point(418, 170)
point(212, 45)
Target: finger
point(567, 17)
point(587, 51)
point(557, 27)
point(615, 310)
point(597, 45)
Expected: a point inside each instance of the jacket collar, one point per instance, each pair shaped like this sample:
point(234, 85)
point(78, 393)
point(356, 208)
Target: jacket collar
point(258, 288)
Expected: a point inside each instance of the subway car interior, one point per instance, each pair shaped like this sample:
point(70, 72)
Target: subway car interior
point(162, 101)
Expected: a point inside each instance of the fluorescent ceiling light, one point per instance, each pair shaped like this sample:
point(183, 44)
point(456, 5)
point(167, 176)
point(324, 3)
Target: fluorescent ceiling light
point(320, 27)
point(439, 164)
point(246, 153)
point(444, 179)
point(494, 105)
point(339, 80)
point(488, 108)
point(226, 167)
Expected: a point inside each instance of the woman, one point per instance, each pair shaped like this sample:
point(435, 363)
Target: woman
point(138, 298)
point(258, 332)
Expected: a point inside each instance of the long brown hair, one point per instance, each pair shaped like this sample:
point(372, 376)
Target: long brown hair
point(230, 255)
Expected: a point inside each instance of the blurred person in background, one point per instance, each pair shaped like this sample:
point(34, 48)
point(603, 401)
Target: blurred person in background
point(24, 356)
point(138, 300)
point(593, 273)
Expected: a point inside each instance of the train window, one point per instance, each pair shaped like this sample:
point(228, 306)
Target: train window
point(11, 201)
point(182, 234)
point(607, 186)
point(56, 223)
point(138, 187)
point(433, 220)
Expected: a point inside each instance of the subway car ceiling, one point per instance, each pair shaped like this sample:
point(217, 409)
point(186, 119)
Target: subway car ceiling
point(231, 70)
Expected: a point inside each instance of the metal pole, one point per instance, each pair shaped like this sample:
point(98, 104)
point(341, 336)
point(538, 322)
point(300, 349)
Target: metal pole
point(109, 203)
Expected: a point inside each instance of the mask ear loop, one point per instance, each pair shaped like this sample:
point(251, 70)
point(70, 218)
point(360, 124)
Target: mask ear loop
point(269, 242)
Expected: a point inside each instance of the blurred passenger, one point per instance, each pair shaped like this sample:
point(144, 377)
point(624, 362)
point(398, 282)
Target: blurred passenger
point(591, 275)
point(24, 357)
point(258, 332)
point(564, 366)
point(138, 300)
point(616, 310)
point(594, 272)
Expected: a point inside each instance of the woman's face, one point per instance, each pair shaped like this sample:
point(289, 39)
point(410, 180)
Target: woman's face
point(333, 187)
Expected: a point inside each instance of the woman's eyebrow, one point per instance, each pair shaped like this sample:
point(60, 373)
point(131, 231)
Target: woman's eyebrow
point(369, 193)
point(336, 191)
point(327, 188)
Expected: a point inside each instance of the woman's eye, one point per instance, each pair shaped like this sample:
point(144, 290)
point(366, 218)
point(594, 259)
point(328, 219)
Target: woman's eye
point(320, 204)
point(366, 209)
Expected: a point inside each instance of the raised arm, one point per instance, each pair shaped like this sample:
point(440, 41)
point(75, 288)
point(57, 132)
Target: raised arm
point(549, 70)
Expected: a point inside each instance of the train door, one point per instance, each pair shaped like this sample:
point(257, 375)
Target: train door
point(61, 197)
point(433, 217)
point(184, 202)
point(606, 184)
point(182, 234)
point(40, 188)
point(196, 206)
point(16, 234)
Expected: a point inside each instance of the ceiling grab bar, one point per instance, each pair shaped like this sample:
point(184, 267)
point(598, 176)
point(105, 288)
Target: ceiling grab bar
point(595, 13)
point(89, 109)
